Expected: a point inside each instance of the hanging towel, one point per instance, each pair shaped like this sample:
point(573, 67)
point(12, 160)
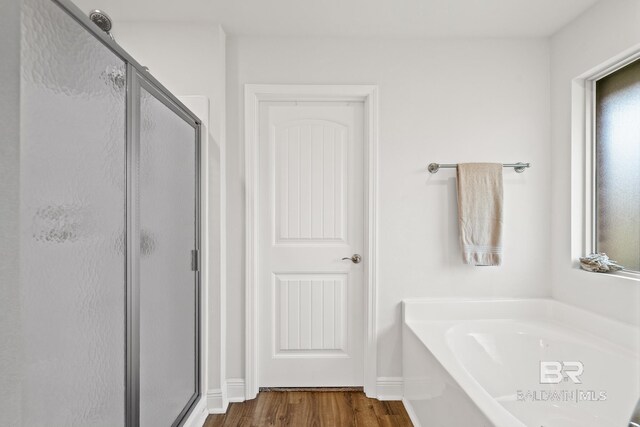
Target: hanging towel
point(480, 212)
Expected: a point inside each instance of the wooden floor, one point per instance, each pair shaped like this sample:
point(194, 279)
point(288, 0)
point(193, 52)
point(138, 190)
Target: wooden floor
point(311, 409)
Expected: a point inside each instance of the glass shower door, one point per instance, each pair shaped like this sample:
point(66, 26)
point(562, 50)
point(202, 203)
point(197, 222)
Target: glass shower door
point(168, 282)
point(72, 214)
point(109, 226)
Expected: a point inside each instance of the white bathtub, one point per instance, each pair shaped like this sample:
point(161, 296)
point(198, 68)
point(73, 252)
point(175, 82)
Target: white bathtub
point(476, 363)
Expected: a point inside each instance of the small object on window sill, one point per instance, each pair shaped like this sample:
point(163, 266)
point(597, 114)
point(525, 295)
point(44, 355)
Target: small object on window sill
point(599, 263)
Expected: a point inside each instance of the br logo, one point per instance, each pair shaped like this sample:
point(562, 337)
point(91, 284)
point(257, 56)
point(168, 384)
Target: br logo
point(555, 371)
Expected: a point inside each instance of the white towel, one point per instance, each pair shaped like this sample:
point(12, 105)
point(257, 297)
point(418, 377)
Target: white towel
point(480, 212)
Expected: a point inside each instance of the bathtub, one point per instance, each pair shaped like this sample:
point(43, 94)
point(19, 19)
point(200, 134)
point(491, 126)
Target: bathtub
point(477, 363)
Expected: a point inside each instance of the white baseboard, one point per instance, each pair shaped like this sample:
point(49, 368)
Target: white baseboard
point(389, 388)
point(199, 414)
point(235, 390)
point(412, 414)
point(216, 403)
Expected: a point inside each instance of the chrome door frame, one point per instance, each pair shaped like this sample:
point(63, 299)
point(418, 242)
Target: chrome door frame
point(138, 77)
point(132, 238)
point(137, 82)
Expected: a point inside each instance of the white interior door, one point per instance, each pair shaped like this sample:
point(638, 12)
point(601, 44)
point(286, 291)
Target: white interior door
point(311, 206)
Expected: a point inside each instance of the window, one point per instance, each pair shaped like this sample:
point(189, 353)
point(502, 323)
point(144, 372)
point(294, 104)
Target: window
point(617, 166)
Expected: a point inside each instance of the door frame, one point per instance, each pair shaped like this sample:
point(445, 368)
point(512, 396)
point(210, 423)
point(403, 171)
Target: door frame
point(253, 95)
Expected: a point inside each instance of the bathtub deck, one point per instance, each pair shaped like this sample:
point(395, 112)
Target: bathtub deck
point(312, 408)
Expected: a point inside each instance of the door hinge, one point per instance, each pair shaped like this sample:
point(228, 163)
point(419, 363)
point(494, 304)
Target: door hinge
point(195, 260)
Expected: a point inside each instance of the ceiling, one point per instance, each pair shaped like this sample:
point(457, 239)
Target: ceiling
point(359, 18)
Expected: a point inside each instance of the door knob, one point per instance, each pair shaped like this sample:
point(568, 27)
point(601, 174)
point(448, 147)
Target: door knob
point(355, 258)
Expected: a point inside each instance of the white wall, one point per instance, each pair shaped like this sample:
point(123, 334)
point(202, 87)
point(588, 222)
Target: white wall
point(606, 30)
point(189, 59)
point(440, 101)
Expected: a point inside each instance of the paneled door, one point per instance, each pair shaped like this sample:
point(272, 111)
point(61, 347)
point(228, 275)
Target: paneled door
point(311, 206)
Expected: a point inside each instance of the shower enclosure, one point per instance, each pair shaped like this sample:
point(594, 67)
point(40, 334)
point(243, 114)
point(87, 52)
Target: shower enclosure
point(109, 231)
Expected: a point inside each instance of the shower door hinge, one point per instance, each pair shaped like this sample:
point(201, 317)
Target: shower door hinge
point(195, 260)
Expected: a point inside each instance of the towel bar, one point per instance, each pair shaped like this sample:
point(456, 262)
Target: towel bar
point(518, 167)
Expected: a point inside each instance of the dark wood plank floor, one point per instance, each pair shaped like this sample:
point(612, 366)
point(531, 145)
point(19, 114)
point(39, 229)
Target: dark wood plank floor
point(312, 409)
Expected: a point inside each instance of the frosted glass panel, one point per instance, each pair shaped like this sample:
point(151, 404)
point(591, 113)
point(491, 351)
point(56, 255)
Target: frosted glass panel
point(167, 285)
point(618, 166)
point(72, 172)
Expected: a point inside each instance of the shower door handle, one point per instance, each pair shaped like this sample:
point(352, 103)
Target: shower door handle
point(195, 260)
point(355, 258)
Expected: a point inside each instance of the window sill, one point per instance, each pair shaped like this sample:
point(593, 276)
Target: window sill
point(634, 275)
point(623, 274)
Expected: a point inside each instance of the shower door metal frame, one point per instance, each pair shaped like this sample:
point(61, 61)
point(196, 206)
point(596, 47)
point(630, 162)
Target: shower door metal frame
point(132, 324)
point(138, 77)
point(135, 82)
